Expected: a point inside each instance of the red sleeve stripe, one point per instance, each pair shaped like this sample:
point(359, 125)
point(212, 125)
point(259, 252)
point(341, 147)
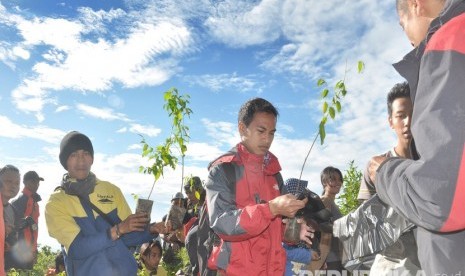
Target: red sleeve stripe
point(456, 219)
point(450, 37)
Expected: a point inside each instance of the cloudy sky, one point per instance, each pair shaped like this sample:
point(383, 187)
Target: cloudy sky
point(101, 67)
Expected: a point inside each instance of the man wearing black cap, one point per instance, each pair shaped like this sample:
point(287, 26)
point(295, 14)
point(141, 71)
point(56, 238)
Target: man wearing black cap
point(27, 218)
point(91, 218)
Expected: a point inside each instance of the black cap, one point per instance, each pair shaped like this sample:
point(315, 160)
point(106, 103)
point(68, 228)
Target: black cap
point(32, 175)
point(72, 142)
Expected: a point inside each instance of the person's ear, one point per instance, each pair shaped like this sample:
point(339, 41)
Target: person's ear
point(417, 7)
point(390, 122)
point(242, 129)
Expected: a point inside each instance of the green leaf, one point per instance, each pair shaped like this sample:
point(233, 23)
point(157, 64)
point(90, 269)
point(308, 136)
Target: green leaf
point(324, 120)
point(325, 107)
point(324, 93)
point(322, 132)
point(332, 112)
point(321, 82)
point(343, 92)
point(360, 66)
point(338, 106)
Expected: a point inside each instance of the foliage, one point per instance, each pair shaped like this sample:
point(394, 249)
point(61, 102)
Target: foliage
point(177, 107)
point(333, 106)
point(330, 108)
point(347, 201)
point(45, 260)
point(178, 262)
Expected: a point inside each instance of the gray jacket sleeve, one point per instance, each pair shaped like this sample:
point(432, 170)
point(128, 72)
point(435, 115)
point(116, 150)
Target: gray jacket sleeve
point(226, 219)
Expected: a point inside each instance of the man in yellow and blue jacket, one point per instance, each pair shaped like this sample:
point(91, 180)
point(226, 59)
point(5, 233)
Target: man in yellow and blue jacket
point(94, 242)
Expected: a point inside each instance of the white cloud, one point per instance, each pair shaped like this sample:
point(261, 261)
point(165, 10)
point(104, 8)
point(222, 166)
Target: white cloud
point(145, 130)
point(284, 127)
point(222, 82)
point(135, 147)
point(77, 53)
point(21, 52)
point(223, 133)
point(38, 132)
point(106, 114)
point(202, 151)
point(62, 108)
point(242, 23)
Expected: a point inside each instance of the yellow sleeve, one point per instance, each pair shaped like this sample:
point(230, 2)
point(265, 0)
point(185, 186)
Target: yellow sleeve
point(60, 223)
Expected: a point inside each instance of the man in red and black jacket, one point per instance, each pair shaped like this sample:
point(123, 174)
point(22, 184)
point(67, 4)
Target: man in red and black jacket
point(27, 219)
point(246, 215)
point(430, 191)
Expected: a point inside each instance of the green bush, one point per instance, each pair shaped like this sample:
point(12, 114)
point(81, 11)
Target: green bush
point(347, 201)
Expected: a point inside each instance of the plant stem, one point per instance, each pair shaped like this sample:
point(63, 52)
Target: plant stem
point(151, 190)
point(182, 171)
point(308, 153)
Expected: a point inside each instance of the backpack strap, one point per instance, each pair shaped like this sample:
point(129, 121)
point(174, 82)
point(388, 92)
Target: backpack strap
point(230, 172)
point(93, 206)
point(96, 209)
point(280, 180)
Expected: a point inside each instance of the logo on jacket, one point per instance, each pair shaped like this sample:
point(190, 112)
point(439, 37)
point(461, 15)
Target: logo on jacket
point(105, 199)
point(276, 187)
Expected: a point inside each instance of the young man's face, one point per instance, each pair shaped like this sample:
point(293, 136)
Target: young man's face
point(152, 257)
point(79, 164)
point(333, 186)
point(10, 187)
point(401, 117)
point(258, 136)
point(32, 184)
point(414, 24)
point(191, 196)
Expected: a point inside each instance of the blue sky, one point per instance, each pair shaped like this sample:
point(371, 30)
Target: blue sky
point(101, 67)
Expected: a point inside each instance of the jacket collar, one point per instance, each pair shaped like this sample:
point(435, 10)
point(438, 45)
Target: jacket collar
point(270, 162)
point(34, 196)
point(409, 66)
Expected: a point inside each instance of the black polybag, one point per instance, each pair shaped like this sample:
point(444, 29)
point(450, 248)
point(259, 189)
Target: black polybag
point(371, 228)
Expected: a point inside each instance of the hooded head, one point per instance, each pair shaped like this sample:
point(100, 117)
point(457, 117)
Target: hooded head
point(72, 142)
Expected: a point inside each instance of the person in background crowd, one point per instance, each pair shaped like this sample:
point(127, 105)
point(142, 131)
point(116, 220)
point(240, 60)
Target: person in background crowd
point(10, 179)
point(402, 256)
point(27, 213)
point(430, 191)
point(399, 107)
point(331, 179)
point(298, 256)
point(91, 218)
point(59, 266)
point(2, 236)
point(247, 214)
point(150, 255)
point(196, 198)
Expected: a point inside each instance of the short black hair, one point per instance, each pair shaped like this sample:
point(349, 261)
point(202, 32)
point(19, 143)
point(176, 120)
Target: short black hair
point(59, 260)
point(249, 108)
point(153, 243)
point(401, 5)
point(192, 184)
point(327, 174)
point(400, 90)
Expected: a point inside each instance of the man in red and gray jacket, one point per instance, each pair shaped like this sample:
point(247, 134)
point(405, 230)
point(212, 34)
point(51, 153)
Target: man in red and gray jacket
point(27, 212)
point(246, 215)
point(430, 191)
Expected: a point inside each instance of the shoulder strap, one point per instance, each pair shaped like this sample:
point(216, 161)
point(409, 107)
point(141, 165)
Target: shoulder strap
point(230, 172)
point(96, 209)
point(280, 180)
